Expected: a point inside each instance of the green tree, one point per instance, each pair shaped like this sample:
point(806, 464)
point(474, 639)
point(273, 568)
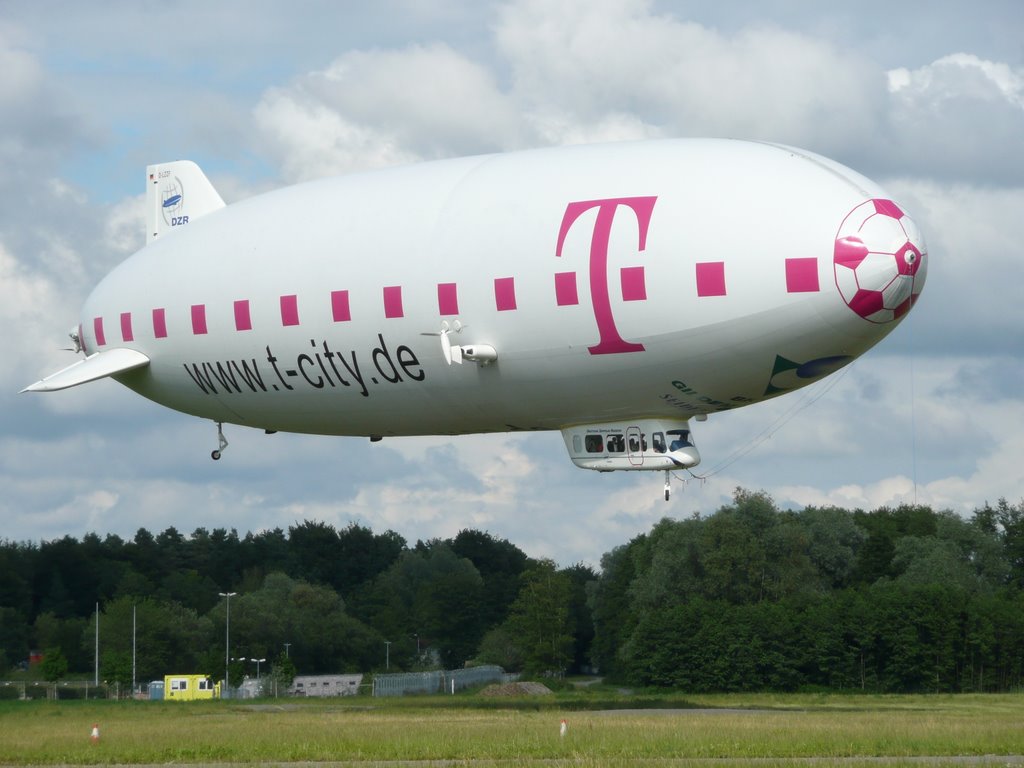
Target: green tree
point(613, 608)
point(362, 555)
point(53, 666)
point(833, 542)
point(283, 671)
point(581, 623)
point(666, 567)
point(16, 565)
point(499, 646)
point(979, 549)
point(66, 634)
point(734, 561)
point(885, 527)
point(236, 673)
point(116, 667)
point(1010, 521)
point(265, 552)
point(539, 619)
point(429, 598)
point(311, 617)
point(315, 551)
point(169, 638)
point(14, 635)
point(500, 564)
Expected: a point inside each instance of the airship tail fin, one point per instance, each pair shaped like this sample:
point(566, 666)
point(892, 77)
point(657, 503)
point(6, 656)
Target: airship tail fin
point(177, 193)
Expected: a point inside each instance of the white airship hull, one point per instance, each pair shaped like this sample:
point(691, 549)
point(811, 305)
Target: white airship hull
point(577, 286)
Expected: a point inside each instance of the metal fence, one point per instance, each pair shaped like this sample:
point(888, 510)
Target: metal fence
point(437, 681)
point(66, 689)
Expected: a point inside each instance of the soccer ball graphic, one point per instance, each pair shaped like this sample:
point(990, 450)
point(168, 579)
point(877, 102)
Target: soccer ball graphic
point(879, 261)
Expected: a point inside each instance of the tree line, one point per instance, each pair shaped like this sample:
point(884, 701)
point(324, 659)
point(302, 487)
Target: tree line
point(754, 598)
point(327, 600)
point(749, 597)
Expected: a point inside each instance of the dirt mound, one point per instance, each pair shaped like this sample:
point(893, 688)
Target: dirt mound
point(516, 689)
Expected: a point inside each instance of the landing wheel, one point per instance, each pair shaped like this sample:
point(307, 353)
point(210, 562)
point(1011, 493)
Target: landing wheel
point(668, 485)
point(222, 443)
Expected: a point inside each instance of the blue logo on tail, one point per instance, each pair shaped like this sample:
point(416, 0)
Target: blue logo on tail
point(173, 198)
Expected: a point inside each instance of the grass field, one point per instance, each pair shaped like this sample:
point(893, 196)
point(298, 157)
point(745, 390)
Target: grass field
point(604, 728)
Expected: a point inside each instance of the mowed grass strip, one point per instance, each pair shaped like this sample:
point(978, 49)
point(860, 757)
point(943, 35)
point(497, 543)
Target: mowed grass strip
point(47, 733)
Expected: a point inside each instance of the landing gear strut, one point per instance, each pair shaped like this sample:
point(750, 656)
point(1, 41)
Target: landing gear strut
point(668, 486)
point(222, 442)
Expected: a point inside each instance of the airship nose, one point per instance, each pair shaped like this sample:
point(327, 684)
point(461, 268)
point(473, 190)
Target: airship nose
point(880, 261)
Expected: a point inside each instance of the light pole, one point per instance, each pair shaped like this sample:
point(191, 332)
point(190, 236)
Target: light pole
point(227, 640)
point(258, 662)
point(286, 647)
point(133, 652)
point(387, 654)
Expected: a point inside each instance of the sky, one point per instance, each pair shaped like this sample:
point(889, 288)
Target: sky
point(926, 98)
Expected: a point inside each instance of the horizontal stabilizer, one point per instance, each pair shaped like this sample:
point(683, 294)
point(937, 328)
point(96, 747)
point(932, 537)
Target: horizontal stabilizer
point(96, 366)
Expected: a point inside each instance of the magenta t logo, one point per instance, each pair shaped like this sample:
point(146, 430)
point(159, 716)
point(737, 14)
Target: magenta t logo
point(610, 340)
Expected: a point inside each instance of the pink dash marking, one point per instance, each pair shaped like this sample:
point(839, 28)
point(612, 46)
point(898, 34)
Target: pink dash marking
point(160, 323)
point(711, 278)
point(97, 329)
point(393, 301)
point(634, 286)
point(447, 298)
point(339, 306)
point(802, 275)
point(565, 289)
point(198, 319)
point(505, 293)
point(126, 327)
point(290, 310)
point(243, 319)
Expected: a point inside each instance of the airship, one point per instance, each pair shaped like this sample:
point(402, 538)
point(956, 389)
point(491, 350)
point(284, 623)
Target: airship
point(615, 293)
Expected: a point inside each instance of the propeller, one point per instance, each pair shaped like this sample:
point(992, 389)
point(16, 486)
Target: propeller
point(73, 334)
point(452, 352)
point(484, 354)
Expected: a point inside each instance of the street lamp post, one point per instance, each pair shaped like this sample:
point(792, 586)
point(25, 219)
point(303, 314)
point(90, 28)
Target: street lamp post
point(387, 654)
point(227, 639)
point(258, 662)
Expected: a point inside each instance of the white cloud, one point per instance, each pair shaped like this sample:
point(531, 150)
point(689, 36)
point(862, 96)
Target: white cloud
point(887, 492)
point(961, 117)
point(27, 302)
point(973, 234)
point(312, 140)
point(124, 227)
point(23, 77)
point(967, 448)
point(595, 60)
point(579, 72)
point(369, 109)
point(951, 76)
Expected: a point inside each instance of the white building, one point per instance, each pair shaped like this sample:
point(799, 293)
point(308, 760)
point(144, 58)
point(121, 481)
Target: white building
point(325, 685)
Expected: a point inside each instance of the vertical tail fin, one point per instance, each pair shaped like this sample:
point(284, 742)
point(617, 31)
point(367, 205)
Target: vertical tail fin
point(176, 194)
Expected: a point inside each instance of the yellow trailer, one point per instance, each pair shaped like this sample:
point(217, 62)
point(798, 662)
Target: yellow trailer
point(190, 688)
